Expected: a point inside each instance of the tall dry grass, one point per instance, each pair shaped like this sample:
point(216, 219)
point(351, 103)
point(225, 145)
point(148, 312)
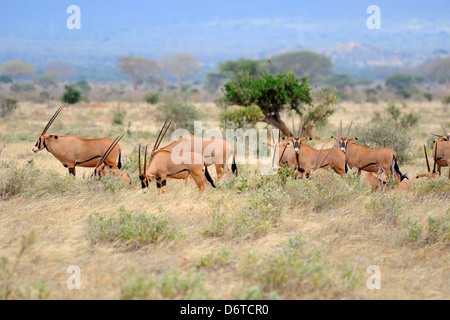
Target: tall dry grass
point(252, 238)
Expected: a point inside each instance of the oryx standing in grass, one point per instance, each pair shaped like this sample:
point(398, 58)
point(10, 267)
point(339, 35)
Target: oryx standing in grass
point(74, 151)
point(161, 166)
point(102, 169)
point(366, 159)
point(214, 150)
point(304, 155)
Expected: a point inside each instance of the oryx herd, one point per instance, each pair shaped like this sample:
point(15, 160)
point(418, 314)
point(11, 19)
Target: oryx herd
point(104, 155)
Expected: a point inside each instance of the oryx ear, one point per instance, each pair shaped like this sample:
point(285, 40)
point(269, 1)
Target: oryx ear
point(310, 138)
point(356, 138)
point(56, 137)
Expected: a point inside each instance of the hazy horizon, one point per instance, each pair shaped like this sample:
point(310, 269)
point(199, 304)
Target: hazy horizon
point(213, 31)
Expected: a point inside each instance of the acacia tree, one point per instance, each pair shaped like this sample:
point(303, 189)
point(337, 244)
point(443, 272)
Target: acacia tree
point(272, 93)
point(182, 66)
point(16, 69)
point(138, 69)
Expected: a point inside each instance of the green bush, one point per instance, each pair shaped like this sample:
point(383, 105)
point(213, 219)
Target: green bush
point(8, 106)
point(236, 116)
point(152, 98)
point(181, 113)
point(439, 187)
point(380, 134)
point(386, 207)
point(30, 181)
point(428, 96)
point(325, 190)
point(130, 230)
point(71, 95)
point(214, 260)
point(118, 117)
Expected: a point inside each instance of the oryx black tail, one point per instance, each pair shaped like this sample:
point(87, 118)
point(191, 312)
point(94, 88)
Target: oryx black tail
point(208, 177)
point(234, 167)
point(397, 169)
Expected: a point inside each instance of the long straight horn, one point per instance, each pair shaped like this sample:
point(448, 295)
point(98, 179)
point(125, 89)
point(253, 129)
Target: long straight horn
point(437, 135)
point(444, 129)
point(108, 151)
point(164, 133)
point(349, 127)
point(317, 157)
point(323, 160)
point(145, 159)
point(159, 135)
point(340, 130)
point(426, 158)
point(435, 156)
point(140, 168)
point(300, 130)
point(293, 127)
point(52, 119)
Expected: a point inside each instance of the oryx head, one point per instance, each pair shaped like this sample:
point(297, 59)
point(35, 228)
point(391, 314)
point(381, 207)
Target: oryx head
point(443, 137)
point(296, 139)
point(101, 169)
point(344, 140)
point(44, 136)
point(144, 176)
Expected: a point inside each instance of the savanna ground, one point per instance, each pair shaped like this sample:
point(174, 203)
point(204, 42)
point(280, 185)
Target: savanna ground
point(255, 237)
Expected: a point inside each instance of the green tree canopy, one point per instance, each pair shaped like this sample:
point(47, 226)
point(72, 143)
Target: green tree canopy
point(16, 69)
point(233, 67)
point(400, 81)
point(138, 69)
point(46, 80)
point(272, 93)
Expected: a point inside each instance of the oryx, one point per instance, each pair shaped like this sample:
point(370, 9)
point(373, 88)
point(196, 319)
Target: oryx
point(74, 151)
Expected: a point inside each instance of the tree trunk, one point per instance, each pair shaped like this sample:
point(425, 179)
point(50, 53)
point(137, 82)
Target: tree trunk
point(278, 123)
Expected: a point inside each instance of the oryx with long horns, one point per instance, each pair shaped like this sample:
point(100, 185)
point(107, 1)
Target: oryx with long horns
point(365, 159)
point(161, 166)
point(102, 169)
point(74, 151)
point(215, 151)
point(303, 156)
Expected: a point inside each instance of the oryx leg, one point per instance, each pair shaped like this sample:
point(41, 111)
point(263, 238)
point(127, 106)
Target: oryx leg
point(228, 171)
point(158, 185)
point(72, 171)
point(198, 180)
point(163, 186)
point(219, 172)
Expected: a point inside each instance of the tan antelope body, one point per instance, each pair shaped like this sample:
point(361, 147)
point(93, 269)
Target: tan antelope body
point(364, 158)
point(74, 151)
point(442, 158)
point(214, 150)
point(101, 170)
point(302, 157)
point(442, 154)
point(161, 166)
